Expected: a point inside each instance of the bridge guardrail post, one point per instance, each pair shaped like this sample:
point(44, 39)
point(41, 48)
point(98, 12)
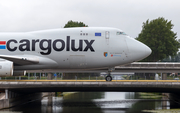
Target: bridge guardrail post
point(35, 76)
point(60, 75)
point(28, 75)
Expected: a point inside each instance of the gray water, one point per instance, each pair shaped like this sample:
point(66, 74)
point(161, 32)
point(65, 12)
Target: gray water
point(92, 102)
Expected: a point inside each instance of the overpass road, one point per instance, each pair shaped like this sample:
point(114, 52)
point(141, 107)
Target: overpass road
point(150, 67)
point(32, 86)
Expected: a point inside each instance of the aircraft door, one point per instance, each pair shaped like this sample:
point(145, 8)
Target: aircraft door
point(107, 35)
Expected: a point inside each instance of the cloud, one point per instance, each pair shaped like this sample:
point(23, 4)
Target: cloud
point(128, 15)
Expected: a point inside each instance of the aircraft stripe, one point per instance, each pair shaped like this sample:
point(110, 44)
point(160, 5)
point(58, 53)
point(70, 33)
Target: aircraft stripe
point(2, 47)
point(2, 42)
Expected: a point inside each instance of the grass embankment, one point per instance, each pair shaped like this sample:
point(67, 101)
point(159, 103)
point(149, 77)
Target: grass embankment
point(163, 111)
point(144, 95)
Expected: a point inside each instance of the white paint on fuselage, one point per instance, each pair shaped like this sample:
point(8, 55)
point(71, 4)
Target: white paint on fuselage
point(119, 50)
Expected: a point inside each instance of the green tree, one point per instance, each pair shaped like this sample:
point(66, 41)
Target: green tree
point(172, 59)
point(158, 35)
point(75, 24)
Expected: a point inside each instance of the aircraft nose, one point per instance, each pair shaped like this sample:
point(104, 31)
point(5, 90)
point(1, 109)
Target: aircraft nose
point(137, 49)
point(148, 51)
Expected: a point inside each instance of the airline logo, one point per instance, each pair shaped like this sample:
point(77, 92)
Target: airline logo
point(105, 54)
point(46, 45)
point(2, 44)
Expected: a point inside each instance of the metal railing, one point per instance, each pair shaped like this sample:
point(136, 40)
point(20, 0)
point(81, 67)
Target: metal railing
point(151, 65)
point(38, 76)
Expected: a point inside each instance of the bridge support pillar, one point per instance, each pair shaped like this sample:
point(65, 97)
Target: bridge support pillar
point(164, 76)
point(10, 94)
point(164, 103)
point(50, 76)
point(50, 105)
point(6, 94)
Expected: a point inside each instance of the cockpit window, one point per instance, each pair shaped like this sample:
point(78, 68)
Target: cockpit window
point(120, 33)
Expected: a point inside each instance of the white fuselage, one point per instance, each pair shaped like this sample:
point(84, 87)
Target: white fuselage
point(73, 48)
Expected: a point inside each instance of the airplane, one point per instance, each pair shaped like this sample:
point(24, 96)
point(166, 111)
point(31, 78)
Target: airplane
point(79, 48)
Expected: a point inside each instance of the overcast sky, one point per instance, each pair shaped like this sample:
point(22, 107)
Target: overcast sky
point(128, 15)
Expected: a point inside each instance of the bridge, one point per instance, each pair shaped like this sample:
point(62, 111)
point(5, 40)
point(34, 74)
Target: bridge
point(118, 85)
point(33, 86)
point(21, 87)
point(19, 91)
point(150, 67)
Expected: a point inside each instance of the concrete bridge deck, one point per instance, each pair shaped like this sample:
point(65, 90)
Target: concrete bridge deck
point(32, 86)
point(151, 67)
